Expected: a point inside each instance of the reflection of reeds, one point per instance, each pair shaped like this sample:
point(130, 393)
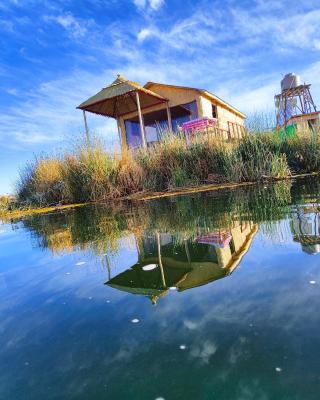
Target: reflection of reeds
point(99, 228)
point(60, 241)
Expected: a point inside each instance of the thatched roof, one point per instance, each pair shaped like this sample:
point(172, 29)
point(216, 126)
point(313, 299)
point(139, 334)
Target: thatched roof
point(119, 98)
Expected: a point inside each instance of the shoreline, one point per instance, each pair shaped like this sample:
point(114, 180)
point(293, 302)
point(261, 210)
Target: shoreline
point(210, 187)
point(145, 196)
point(38, 210)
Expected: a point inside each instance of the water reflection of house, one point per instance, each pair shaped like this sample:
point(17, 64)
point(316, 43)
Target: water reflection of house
point(306, 230)
point(165, 262)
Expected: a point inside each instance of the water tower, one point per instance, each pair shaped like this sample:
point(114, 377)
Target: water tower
point(294, 100)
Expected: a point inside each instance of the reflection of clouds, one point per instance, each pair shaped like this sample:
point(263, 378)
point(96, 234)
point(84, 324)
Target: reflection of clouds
point(237, 350)
point(128, 349)
point(190, 324)
point(254, 391)
point(203, 351)
point(271, 290)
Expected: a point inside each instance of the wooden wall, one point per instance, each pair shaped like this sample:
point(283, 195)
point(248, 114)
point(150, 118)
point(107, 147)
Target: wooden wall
point(179, 96)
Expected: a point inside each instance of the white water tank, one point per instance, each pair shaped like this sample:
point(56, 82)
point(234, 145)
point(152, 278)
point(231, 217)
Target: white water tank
point(290, 81)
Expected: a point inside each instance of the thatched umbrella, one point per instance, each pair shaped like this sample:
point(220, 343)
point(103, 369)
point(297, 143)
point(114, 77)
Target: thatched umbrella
point(123, 97)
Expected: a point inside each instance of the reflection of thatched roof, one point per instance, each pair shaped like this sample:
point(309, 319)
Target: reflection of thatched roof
point(135, 280)
point(119, 98)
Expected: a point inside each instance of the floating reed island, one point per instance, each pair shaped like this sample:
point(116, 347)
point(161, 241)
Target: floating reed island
point(89, 173)
point(173, 139)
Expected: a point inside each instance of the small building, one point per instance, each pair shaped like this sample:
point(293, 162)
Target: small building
point(305, 122)
point(144, 111)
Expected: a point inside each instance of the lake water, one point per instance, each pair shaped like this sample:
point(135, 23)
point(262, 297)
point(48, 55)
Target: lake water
point(209, 296)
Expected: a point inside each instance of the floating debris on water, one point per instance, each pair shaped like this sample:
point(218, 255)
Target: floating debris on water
point(108, 301)
point(26, 363)
point(135, 320)
point(90, 298)
point(173, 288)
point(312, 282)
point(149, 267)
point(278, 369)
point(159, 398)
point(80, 263)
point(67, 273)
point(182, 347)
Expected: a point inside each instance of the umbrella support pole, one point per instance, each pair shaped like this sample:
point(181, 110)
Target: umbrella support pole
point(143, 134)
point(86, 126)
point(160, 260)
point(169, 117)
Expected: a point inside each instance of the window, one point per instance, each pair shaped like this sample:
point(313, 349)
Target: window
point(232, 246)
point(214, 111)
point(192, 107)
point(133, 134)
point(312, 124)
point(157, 121)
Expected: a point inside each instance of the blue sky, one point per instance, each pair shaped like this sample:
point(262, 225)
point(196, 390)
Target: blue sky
point(55, 54)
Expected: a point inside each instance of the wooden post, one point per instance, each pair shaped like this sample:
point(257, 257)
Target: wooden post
point(143, 135)
point(186, 246)
point(169, 117)
point(86, 126)
point(160, 259)
point(119, 133)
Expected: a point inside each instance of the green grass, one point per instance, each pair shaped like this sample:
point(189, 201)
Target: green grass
point(89, 173)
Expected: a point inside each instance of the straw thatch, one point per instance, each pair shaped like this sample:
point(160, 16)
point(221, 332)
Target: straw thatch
point(119, 98)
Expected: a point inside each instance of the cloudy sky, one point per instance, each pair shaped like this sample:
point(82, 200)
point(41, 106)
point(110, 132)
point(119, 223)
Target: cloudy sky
point(55, 54)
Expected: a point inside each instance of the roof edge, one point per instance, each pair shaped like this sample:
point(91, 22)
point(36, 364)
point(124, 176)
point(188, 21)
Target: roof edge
point(204, 91)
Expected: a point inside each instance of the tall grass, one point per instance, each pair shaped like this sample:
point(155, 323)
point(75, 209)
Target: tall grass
point(89, 173)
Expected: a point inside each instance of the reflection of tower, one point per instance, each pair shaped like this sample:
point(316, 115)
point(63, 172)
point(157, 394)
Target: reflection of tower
point(306, 231)
point(294, 100)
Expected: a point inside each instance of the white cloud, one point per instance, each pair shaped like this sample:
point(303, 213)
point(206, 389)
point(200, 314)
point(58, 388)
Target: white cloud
point(297, 31)
point(48, 113)
point(201, 59)
point(156, 4)
point(76, 29)
point(144, 34)
point(153, 5)
point(140, 3)
point(6, 25)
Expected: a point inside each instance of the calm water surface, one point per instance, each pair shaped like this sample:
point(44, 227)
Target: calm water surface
point(212, 296)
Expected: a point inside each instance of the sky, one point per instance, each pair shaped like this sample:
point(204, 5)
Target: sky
point(56, 54)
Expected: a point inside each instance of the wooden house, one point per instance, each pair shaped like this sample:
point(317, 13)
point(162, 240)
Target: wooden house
point(144, 111)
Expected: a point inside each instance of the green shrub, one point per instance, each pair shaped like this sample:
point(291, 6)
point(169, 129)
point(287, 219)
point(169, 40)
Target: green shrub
point(89, 173)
